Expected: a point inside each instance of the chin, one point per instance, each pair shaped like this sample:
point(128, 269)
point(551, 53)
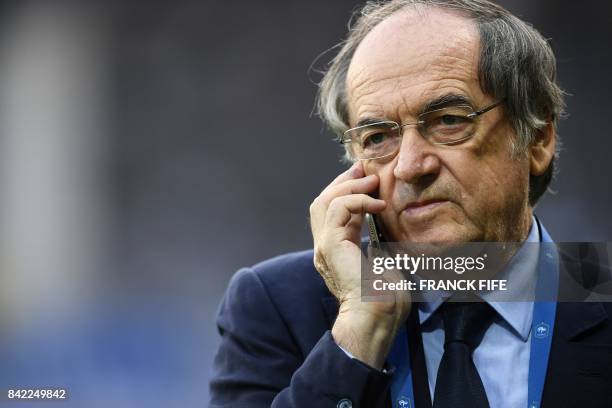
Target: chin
point(439, 233)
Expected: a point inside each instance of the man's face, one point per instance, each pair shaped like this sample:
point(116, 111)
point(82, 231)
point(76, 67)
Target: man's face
point(474, 191)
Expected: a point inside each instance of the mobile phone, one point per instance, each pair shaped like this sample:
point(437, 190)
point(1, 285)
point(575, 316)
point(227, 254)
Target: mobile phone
point(374, 233)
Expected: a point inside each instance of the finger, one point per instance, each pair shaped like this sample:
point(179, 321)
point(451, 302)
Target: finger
point(356, 220)
point(355, 171)
point(341, 208)
point(363, 185)
point(319, 207)
point(351, 230)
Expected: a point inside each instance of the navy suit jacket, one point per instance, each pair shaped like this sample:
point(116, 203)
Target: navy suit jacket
point(277, 351)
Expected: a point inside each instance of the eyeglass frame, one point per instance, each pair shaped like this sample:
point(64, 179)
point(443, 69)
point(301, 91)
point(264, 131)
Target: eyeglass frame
point(343, 140)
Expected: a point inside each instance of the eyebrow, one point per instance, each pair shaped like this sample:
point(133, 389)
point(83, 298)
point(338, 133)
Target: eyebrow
point(446, 101)
point(370, 121)
point(440, 102)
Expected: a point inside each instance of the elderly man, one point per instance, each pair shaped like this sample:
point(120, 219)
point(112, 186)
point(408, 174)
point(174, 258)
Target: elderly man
point(447, 109)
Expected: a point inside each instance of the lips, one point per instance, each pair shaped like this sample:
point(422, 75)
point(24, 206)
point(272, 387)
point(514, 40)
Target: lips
point(424, 206)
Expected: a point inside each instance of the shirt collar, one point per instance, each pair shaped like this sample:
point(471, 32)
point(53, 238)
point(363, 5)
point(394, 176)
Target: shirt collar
point(521, 272)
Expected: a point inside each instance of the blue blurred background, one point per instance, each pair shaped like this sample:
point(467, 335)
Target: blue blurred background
point(150, 149)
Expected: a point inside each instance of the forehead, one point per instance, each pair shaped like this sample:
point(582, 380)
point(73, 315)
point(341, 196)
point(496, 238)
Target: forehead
point(414, 56)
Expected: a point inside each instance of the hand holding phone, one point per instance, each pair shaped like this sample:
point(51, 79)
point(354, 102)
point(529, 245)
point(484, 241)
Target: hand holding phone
point(336, 219)
point(365, 329)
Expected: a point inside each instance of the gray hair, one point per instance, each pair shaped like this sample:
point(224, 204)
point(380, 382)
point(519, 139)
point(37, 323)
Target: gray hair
point(516, 63)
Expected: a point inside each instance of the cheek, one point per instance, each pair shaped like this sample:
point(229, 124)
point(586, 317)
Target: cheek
point(496, 185)
point(386, 187)
point(505, 175)
point(384, 171)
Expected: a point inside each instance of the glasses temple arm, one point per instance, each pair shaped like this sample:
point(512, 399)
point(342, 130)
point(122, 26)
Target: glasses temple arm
point(488, 108)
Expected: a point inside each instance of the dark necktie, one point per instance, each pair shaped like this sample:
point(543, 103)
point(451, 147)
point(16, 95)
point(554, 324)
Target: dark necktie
point(458, 384)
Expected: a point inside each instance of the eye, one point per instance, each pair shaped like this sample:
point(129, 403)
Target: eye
point(447, 124)
point(374, 139)
point(452, 120)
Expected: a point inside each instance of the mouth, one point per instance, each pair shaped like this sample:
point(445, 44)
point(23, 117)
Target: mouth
point(423, 207)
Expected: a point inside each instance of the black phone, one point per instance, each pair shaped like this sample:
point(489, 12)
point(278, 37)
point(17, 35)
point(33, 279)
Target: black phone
point(376, 237)
point(374, 230)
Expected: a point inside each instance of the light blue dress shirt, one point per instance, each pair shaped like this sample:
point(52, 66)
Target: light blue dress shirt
point(502, 358)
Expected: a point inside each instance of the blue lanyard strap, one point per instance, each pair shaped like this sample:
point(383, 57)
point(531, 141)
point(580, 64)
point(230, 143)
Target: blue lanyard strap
point(541, 339)
point(543, 323)
point(402, 392)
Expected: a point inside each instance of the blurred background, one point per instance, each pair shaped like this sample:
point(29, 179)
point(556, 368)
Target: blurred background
point(150, 149)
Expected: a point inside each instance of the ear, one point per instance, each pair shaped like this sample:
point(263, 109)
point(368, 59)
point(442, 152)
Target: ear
point(542, 150)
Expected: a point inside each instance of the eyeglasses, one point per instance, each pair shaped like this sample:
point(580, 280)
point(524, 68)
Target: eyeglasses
point(446, 126)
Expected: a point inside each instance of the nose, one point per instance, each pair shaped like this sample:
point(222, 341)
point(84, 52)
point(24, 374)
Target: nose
point(417, 161)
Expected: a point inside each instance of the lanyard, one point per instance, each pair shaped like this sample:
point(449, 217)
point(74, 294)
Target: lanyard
point(543, 322)
point(402, 393)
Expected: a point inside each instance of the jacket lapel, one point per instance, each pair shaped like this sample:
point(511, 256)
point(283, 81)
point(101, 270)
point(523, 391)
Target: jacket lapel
point(580, 364)
point(574, 319)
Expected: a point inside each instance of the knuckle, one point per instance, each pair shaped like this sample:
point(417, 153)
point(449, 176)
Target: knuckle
point(315, 203)
point(312, 208)
point(336, 203)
